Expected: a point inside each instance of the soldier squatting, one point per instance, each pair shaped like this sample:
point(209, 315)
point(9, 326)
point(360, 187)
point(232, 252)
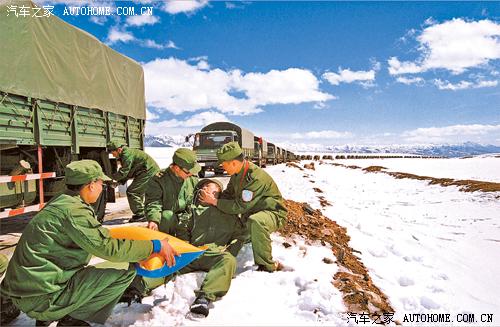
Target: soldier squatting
point(48, 276)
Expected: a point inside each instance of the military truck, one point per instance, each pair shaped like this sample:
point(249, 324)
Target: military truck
point(215, 135)
point(63, 96)
point(272, 153)
point(279, 158)
point(260, 151)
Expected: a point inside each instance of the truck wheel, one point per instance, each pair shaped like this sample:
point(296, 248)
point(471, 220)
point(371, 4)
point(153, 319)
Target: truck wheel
point(202, 173)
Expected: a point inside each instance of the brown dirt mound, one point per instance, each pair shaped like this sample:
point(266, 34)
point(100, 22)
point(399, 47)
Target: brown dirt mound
point(324, 202)
point(359, 292)
point(373, 168)
point(466, 185)
point(309, 166)
point(317, 190)
point(353, 167)
point(293, 164)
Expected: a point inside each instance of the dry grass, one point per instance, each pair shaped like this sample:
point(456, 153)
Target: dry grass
point(309, 166)
point(372, 169)
point(359, 292)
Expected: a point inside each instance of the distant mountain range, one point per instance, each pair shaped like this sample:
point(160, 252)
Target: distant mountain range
point(444, 150)
point(167, 141)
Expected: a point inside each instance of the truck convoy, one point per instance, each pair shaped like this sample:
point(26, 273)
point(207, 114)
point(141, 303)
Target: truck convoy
point(63, 96)
point(255, 148)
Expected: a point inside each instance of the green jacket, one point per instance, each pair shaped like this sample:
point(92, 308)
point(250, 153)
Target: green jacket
point(58, 242)
point(135, 162)
point(207, 225)
point(167, 194)
point(263, 191)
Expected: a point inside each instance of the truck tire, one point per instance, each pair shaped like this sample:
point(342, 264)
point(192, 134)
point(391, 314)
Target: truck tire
point(202, 173)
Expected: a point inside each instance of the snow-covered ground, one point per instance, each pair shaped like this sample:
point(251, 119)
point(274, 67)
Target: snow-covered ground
point(163, 156)
point(431, 249)
point(477, 168)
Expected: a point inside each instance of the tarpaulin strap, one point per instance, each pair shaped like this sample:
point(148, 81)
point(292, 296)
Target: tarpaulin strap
point(58, 110)
point(26, 121)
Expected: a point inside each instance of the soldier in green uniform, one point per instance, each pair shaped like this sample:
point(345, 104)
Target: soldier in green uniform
point(8, 310)
point(48, 277)
point(171, 191)
point(138, 165)
point(224, 234)
point(254, 195)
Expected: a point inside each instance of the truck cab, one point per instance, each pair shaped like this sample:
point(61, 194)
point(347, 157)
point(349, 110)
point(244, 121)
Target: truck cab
point(206, 145)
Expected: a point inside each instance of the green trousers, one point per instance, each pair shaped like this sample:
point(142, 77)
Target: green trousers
point(3, 264)
point(220, 268)
point(136, 191)
point(89, 295)
point(260, 226)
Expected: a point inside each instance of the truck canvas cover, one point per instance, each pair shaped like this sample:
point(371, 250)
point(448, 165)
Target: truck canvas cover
point(47, 58)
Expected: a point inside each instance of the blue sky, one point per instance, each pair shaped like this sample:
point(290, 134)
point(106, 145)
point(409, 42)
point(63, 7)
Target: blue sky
point(328, 73)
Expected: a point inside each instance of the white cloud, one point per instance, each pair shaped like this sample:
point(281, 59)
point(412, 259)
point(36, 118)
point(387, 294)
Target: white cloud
point(397, 67)
point(454, 133)
point(178, 86)
point(172, 45)
point(291, 86)
point(152, 44)
point(349, 76)
point(463, 85)
point(410, 80)
point(99, 20)
point(187, 125)
point(454, 45)
point(327, 134)
point(115, 35)
point(151, 115)
point(141, 20)
point(203, 65)
point(183, 6)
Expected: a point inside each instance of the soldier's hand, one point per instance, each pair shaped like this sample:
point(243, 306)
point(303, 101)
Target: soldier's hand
point(152, 225)
point(207, 198)
point(168, 252)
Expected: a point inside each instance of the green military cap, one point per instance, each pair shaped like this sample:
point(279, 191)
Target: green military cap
point(228, 152)
point(204, 181)
point(83, 172)
point(186, 159)
point(114, 145)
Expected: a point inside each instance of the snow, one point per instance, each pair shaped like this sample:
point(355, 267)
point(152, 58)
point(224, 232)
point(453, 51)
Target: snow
point(302, 295)
point(477, 168)
point(162, 156)
point(430, 249)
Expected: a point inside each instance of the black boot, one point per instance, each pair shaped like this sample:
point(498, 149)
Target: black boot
point(200, 305)
point(43, 323)
point(70, 321)
point(134, 292)
point(9, 311)
point(137, 218)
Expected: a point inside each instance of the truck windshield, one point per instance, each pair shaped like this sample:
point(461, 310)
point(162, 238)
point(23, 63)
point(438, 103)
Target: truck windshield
point(211, 140)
